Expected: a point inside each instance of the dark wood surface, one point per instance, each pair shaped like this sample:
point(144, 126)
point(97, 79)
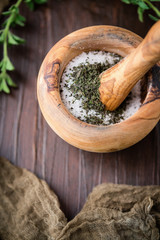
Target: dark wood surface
point(26, 139)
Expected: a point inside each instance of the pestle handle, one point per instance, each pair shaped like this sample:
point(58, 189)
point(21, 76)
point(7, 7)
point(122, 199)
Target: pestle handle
point(117, 82)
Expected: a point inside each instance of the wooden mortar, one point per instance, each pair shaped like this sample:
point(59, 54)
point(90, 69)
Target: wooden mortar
point(85, 136)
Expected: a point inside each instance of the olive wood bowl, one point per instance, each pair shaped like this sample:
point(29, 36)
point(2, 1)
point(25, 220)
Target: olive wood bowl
point(85, 136)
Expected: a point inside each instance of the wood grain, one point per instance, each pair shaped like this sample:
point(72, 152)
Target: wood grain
point(25, 137)
point(118, 81)
point(86, 136)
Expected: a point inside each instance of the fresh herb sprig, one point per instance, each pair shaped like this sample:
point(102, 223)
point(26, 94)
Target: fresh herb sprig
point(144, 5)
point(8, 38)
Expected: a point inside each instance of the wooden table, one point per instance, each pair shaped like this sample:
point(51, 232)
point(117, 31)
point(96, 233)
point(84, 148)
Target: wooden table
point(26, 139)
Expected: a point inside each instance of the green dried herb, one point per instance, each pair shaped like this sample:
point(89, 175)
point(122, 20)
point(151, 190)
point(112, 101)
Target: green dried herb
point(85, 86)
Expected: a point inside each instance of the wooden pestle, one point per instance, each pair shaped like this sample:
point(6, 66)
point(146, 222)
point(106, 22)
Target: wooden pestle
point(117, 82)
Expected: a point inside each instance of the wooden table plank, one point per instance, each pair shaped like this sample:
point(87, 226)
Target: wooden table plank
point(25, 137)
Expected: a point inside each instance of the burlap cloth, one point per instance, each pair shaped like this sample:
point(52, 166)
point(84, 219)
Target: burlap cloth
point(29, 210)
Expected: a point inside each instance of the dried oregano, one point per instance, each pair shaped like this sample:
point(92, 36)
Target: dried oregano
point(84, 86)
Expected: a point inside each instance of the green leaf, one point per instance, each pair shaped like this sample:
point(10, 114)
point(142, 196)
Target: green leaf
point(30, 5)
point(14, 40)
point(135, 2)
point(6, 13)
point(4, 86)
point(13, 8)
point(9, 65)
point(20, 23)
point(19, 20)
point(11, 40)
point(155, 0)
point(2, 37)
point(5, 82)
point(7, 37)
point(40, 1)
point(143, 5)
point(153, 17)
point(10, 81)
point(0, 87)
point(126, 1)
point(140, 12)
point(19, 40)
point(3, 65)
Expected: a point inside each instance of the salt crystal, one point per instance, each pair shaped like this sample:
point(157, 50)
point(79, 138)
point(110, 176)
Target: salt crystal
point(75, 106)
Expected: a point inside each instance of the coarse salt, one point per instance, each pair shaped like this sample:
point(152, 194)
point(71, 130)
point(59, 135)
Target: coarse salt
point(75, 106)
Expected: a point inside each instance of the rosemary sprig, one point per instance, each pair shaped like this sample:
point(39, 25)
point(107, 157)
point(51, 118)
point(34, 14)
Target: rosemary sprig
point(8, 38)
point(144, 5)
